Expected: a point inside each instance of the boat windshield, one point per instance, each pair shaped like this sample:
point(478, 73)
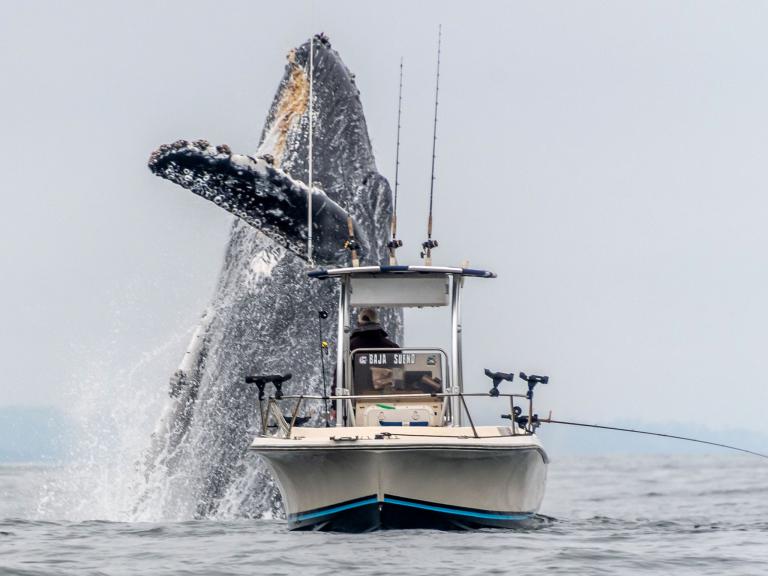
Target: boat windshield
point(397, 371)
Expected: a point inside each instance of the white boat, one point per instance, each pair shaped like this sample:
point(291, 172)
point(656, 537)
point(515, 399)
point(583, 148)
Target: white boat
point(402, 450)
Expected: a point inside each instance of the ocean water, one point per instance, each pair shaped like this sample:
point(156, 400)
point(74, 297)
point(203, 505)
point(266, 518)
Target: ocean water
point(638, 514)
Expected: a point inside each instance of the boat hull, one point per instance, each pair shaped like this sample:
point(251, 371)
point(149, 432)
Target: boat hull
point(415, 483)
point(392, 513)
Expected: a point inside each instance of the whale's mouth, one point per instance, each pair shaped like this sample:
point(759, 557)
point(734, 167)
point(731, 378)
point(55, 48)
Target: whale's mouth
point(264, 196)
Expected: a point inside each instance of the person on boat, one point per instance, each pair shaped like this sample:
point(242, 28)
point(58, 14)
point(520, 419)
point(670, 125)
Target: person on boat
point(369, 333)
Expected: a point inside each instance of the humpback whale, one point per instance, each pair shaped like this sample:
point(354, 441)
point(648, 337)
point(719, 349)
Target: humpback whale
point(264, 312)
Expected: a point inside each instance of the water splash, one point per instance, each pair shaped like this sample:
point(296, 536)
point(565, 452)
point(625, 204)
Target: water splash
point(111, 414)
point(142, 456)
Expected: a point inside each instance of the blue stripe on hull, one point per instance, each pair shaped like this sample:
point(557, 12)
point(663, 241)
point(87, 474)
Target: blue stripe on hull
point(335, 509)
point(369, 513)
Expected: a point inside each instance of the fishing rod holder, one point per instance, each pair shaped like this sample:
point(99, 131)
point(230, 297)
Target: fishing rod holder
point(392, 246)
point(530, 423)
point(427, 247)
point(352, 246)
point(261, 382)
point(532, 381)
point(498, 378)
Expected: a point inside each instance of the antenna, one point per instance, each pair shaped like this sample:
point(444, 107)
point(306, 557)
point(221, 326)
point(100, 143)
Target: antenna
point(429, 244)
point(309, 177)
point(394, 244)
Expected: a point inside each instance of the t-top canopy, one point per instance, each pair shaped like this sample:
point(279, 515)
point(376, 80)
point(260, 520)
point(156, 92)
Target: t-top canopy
point(323, 274)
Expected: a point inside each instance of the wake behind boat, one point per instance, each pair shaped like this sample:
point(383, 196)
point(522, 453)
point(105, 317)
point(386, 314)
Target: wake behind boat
point(401, 450)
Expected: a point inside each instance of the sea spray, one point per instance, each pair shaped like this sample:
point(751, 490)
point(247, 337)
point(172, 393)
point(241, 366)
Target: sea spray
point(111, 413)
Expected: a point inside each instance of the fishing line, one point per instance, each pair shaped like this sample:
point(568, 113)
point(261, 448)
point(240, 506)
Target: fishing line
point(397, 149)
point(646, 432)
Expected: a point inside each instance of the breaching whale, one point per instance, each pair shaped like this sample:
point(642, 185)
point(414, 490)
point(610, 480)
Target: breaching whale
point(263, 316)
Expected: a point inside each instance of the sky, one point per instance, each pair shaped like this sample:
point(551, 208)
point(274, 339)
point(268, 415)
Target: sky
point(606, 159)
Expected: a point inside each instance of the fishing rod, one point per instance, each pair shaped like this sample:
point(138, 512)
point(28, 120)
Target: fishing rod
point(429, 244)
point(322, 315)
point(549, 420)
point(394, 244)
point(351, 243)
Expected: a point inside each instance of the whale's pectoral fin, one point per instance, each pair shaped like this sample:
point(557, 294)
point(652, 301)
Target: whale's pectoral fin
point(263, 196)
